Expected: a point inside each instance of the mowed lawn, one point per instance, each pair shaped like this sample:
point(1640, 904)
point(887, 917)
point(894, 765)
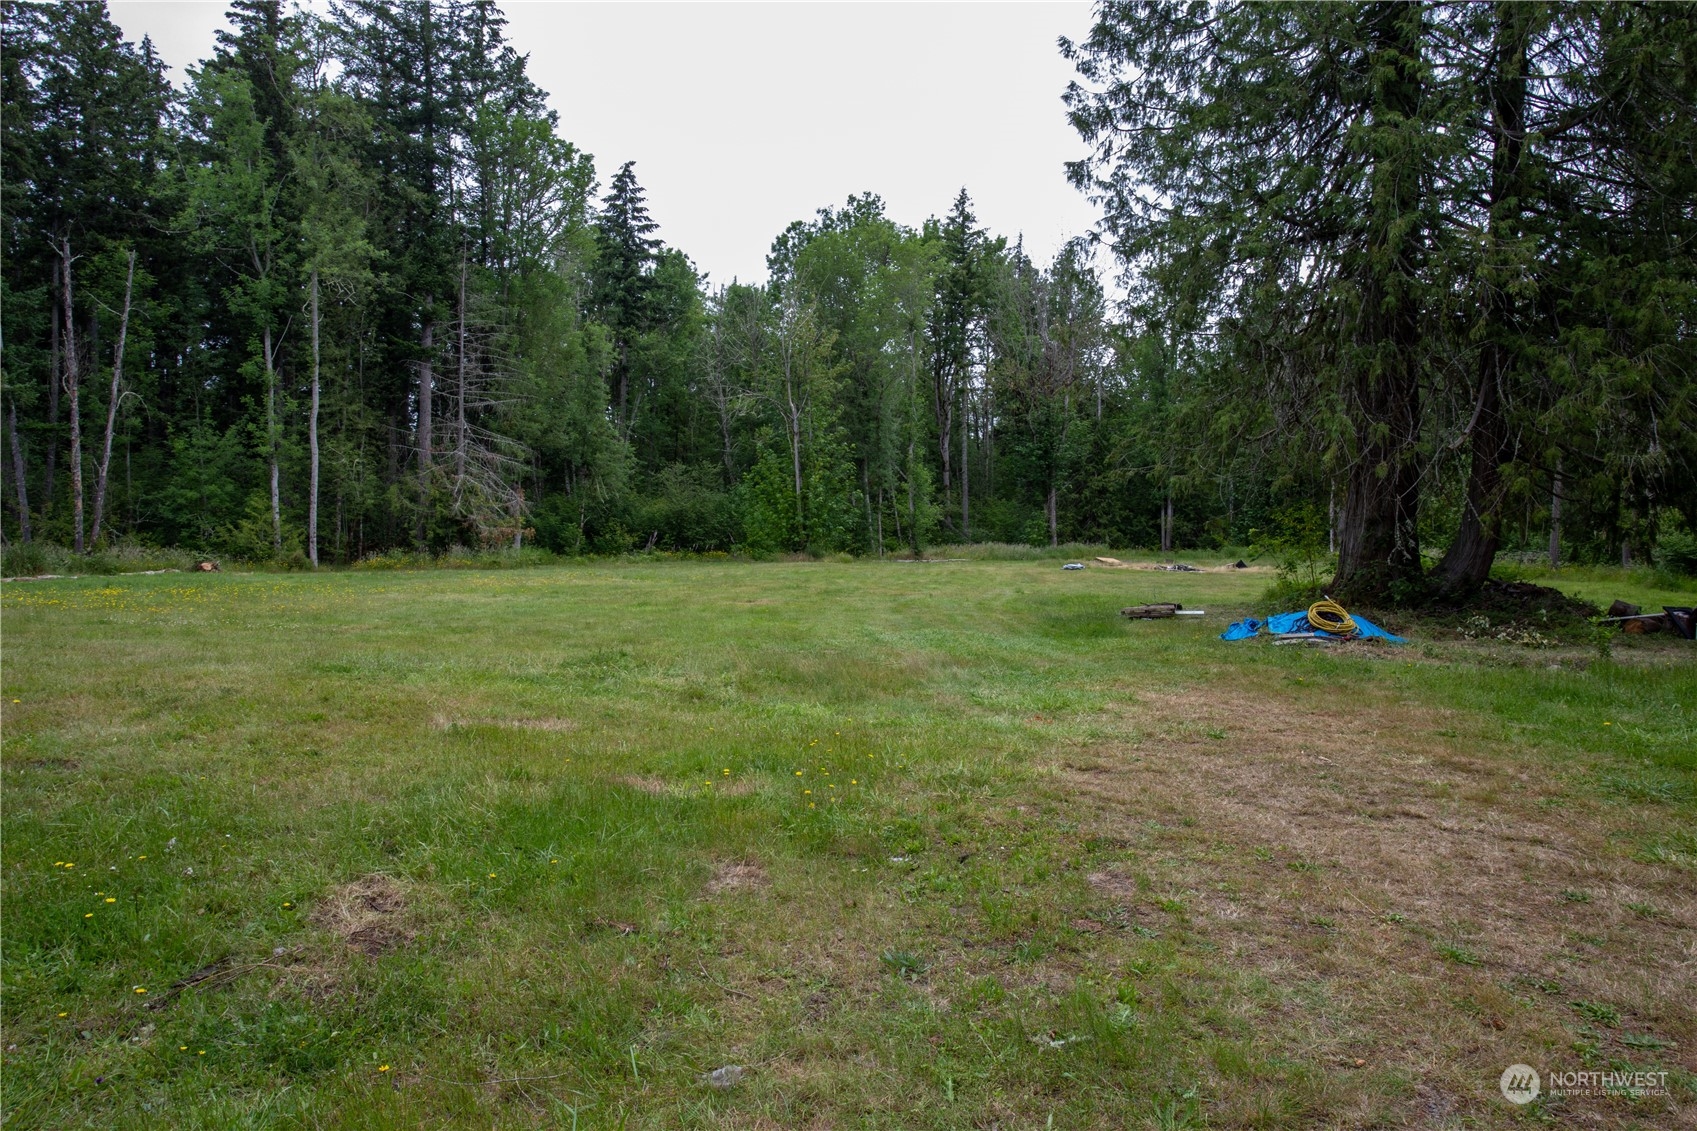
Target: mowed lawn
point(945, 845)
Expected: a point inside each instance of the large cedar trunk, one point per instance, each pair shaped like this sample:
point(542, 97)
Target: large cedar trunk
point(1378, 538)
point(1379, 545)
point(1468, 562)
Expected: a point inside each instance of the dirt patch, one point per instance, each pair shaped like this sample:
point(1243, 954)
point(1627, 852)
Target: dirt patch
point(1117, 887)
point(642, 784)
point(369, 915)
point(53, 763)
point(552, 725)
point(739, 875)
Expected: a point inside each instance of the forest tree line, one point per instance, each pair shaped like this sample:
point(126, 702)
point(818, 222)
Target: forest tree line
point(1406, 277)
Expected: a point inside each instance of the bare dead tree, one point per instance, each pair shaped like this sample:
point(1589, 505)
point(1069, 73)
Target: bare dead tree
point(72, 385)
point(100, 478)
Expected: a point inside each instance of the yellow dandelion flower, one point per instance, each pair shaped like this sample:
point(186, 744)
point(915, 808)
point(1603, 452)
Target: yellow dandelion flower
point(111, 899)
point(90, 915)
point(553, 861)
point(202, 1052)
point(491, 875)
point(798, 773)
point(806, 791)
point(64, 1015)
point(141, 858)
point(141, 989)
point(382, 1068)
point(810, 804)
point(288, 905)
point(68, 865)
point(182, 1048)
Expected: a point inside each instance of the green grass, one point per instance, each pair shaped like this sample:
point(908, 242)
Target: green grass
point(550, 768)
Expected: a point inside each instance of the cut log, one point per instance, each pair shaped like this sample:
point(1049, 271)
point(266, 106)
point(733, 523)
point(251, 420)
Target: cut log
point(1623, 609)
point(1150, 612)
point(207, 567)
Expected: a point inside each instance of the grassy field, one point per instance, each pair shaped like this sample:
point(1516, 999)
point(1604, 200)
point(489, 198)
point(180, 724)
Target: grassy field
point(941, 845)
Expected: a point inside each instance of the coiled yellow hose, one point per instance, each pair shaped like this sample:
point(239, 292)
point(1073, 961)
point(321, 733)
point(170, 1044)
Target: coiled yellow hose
point(1329, 616)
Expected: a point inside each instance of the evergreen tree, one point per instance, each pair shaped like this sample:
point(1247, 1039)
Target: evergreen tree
point(626, 251)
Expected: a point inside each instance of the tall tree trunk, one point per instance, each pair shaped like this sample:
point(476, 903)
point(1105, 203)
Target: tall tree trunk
point(18, 471)
point(965, 481)
point(462, 438)
point(866, 495)
point(1167, 523)
point(945, 403)
point(426, 414)
point(1379, 543)
point(55, 381)
point(312, 436)
point(100, 477)
point(1555, 520)
point(795, 458)
point(912, 444)
point(1054, 519)
point(1468, 561)
point(71, 392)
point(275, 442)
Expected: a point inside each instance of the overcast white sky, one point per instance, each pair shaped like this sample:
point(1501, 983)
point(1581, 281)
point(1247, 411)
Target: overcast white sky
point(743, 117)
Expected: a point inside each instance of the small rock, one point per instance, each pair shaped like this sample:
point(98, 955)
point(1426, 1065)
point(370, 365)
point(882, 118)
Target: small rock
point(725, 1077)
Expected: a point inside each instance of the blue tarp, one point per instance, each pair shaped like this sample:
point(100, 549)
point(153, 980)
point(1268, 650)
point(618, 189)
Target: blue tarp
point(1298, 622)
point(1242, 629)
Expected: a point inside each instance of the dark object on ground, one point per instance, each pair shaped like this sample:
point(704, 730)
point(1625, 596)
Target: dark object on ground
point(207, 567)
point(1643, 626)
point(1240, 564)
point(1179, 567)
point(1683, 619)
point(1517, 600)
point(1150, 612)
point(1623, 609)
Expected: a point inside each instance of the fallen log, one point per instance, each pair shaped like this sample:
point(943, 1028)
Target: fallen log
point(1150, 612)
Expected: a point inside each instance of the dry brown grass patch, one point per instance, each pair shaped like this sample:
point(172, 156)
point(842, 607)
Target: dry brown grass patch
point(551, 725)
point(369, 915)
point(738, 875)
point(1413, 873)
